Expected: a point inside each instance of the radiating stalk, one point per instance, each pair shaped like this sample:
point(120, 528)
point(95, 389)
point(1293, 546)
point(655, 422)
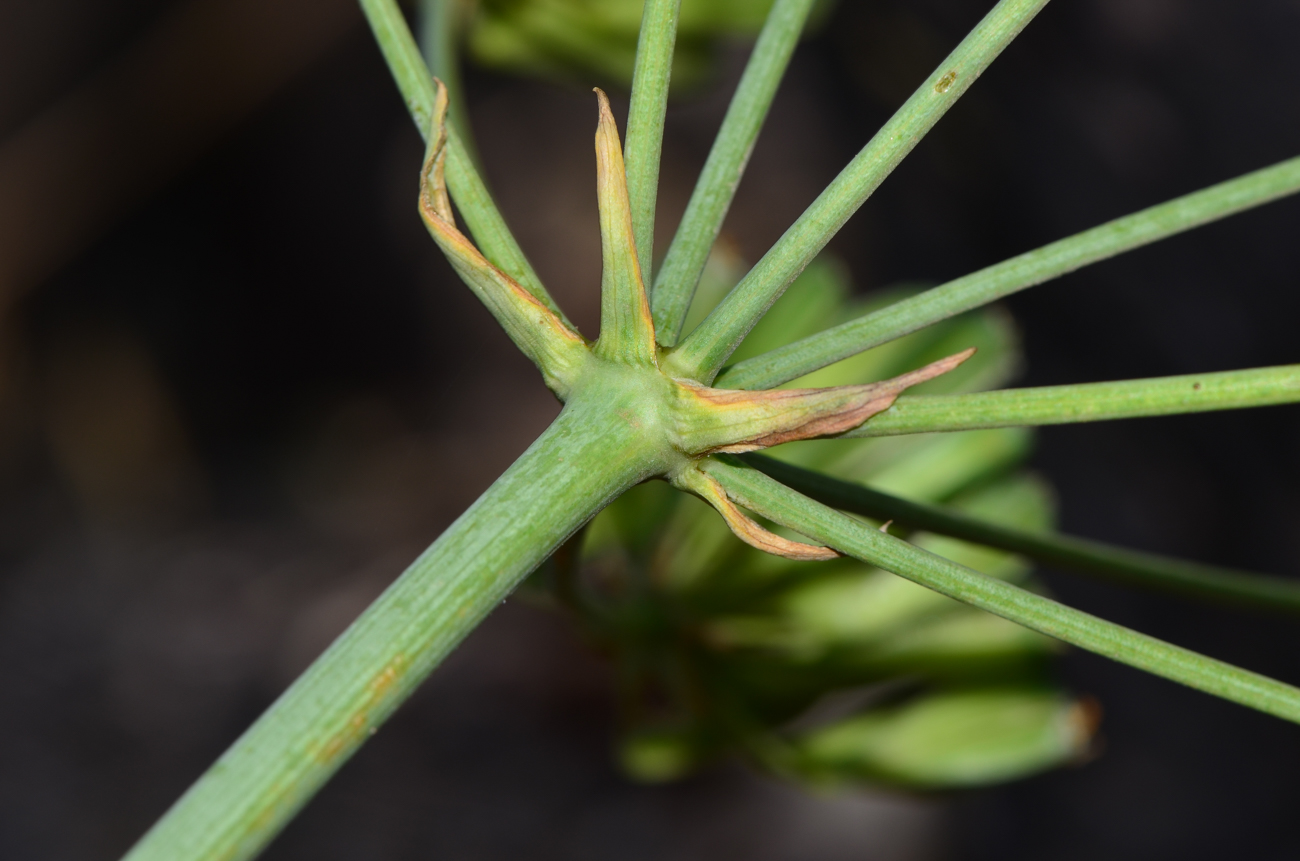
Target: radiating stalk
point(1088, 402)
point(769, 498)
point(705, 350)
point(469, 192)
point(645, 121)
point(1117, 564)
point(438, 27)
point(1027, 270)
point(675, 282)
point(586, 458)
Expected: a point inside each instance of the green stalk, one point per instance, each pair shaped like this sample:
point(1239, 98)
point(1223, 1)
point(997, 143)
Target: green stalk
point(705, 350)
point(467, 188)
point(586, 458)
point(438, 27)
point(674, 285)
point(769, 498)
point(1117, 564)
point(645, 121)
point(1088, 402)
point(1027, 270)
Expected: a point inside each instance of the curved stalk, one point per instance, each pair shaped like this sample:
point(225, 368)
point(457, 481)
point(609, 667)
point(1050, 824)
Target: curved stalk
point(585, 459)
point(674, 284)
point(706, 349)
point(469, 191)
point(1010, 276)
point(1117, 564)
point(771, 499)
point(438, 27)
point(1088, 402)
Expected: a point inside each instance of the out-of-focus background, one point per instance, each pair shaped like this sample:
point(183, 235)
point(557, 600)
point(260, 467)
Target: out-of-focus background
point(240, 390)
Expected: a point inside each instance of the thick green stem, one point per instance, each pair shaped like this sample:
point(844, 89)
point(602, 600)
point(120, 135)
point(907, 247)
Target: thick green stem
point(705, 350)
point(585, 459)
point(1088, 402)
point(467, 188)
point(767, 497)
point(645, 121)
point(675, 282)
point(1120, 565)
point(1027, 270)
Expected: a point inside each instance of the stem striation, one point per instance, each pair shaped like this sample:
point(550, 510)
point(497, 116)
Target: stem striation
point(587, 457)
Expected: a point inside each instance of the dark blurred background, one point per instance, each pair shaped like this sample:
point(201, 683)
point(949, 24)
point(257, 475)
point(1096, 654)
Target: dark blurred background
point(240, 390)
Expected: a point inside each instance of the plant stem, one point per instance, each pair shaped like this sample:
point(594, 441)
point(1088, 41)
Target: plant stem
point(645, 121)
point(438, 27)
point(467, 188)
point(705, 350)
point(1088, 402)
point(769, 498)
point(1027, 270)
point(587, 457)
point(675, 283)
point(1127, 567)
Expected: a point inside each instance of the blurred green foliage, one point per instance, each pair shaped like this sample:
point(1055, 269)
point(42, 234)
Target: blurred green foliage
point(578, 39)
point(830, 672)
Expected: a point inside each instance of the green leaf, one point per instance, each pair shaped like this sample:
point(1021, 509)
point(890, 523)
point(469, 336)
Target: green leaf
point(954, 739)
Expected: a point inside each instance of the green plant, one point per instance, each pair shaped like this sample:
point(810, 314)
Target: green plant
point(643, 402)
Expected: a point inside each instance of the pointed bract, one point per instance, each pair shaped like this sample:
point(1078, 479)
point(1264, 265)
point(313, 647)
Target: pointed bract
point(626, 330)
point(746, 529)
point(555, 348)
point(736, 421)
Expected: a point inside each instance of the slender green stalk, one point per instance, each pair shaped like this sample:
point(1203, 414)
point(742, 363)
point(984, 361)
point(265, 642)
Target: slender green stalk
point(1027, 270)
point(769, 498)
point(257, 786)
point(438, 28)
point(675, 283)
point(468, 190)
point(1088, 402)
point(645, 121)
point(1128, 567)
point(705, 350)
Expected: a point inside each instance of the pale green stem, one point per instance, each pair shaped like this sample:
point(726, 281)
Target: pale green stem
point(1087, 402)
point(1027, 270)
point(439, 26)
point(705, 350)
point(1118, 564)
point(467, 188)
point(645, 121)
point(769, 498)
point(675, 282)
point(586, 458)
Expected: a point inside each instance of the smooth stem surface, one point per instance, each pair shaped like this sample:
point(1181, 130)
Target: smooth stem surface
point(1128, 567)
point(678, 275)
point(769, 498)
point(467, 188)
point(438, 31)
point(1027, 270)
point(585, 459)
point(645, 120)
point(706, 349)
point(1087, 402)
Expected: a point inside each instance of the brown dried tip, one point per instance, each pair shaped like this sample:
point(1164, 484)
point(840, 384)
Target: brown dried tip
point(745, 528)
point(744, 421)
